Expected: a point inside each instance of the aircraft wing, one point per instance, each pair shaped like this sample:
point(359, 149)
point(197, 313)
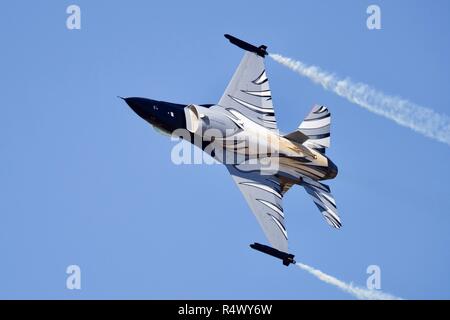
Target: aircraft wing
point(249, 93)
point(264, 197)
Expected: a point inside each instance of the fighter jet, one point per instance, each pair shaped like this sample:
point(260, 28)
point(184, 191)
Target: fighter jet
point(241, 132)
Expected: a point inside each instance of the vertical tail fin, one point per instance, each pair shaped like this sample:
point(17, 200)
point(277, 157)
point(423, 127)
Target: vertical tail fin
point(316, 127)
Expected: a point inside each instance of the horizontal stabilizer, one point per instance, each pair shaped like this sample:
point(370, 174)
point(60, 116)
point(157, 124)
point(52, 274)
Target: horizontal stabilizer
point(324, 200)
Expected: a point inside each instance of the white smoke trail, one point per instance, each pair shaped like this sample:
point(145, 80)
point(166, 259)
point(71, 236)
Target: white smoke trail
point(403, 112)
point(359, 293)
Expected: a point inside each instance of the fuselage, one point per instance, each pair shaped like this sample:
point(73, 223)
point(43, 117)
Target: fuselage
point(230, 132)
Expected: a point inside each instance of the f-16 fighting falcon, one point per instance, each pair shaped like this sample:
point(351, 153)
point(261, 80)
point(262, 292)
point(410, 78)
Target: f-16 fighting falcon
point(241, 132)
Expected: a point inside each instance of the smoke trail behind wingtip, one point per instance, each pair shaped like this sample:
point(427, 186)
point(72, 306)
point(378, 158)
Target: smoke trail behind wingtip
point(357, 292)
point(403, 112)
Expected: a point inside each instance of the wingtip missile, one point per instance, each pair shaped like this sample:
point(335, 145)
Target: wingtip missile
point(287, 258)
point(260, 51)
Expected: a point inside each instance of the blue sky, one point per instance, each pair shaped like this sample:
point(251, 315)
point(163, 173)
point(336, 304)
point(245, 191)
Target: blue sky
point(84, 181)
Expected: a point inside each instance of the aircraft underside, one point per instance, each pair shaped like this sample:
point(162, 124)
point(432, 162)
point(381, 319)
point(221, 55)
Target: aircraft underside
point(241, 132)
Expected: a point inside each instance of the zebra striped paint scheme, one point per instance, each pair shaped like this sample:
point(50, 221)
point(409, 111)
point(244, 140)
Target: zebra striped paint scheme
point(323, 199)
point(244, 137)
point(263, 187)
point(317, 127)
point(264, 93)
point(249, 93)
point(263, 195)
point(248, 96)
point(268, 111)
point(272, 207)
point(262, 78)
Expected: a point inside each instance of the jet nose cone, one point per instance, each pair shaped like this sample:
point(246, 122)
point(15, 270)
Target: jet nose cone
point(134, 104)
point(142, 108)
point(332, 170)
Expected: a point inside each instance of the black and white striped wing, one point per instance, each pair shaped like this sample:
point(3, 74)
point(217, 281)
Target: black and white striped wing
point(249, 93)
point(264, 197)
